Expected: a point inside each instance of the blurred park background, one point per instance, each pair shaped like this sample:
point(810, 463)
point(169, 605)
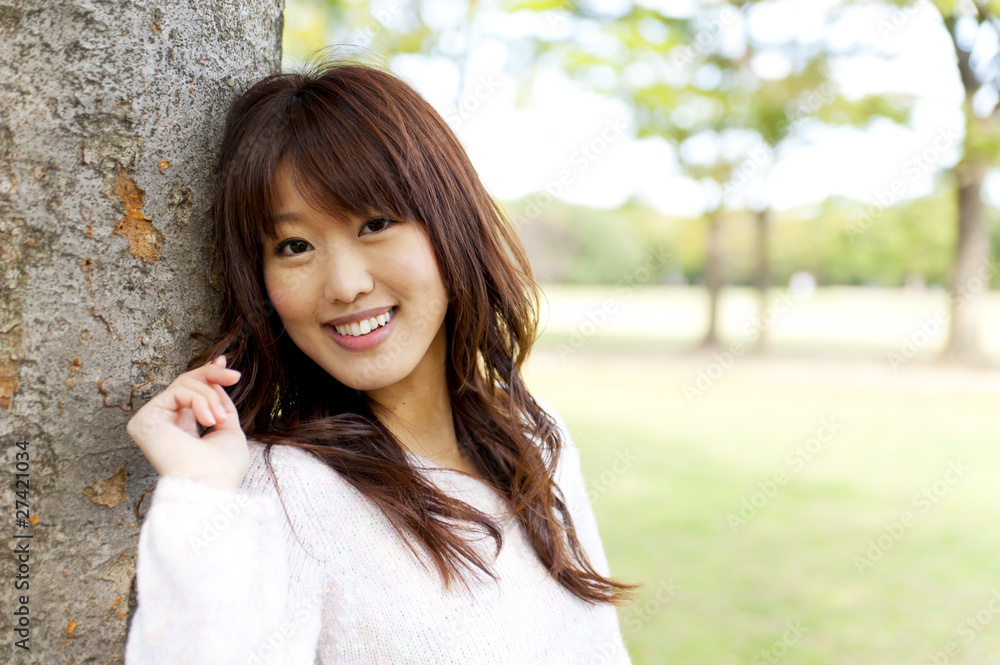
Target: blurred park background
point(767, 233)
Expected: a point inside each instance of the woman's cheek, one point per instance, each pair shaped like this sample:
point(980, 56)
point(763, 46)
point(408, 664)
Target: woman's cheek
point(280, 295)
point(419, 267)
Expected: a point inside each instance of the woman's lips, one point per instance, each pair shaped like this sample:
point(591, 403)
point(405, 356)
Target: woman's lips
point(363, 342)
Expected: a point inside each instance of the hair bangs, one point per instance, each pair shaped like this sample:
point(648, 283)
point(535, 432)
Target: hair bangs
point(347, 157)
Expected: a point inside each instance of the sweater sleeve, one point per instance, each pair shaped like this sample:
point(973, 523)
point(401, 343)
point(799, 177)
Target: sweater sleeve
point(220, 581)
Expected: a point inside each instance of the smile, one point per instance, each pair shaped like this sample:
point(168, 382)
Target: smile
point(365, 326)
point(365, 334)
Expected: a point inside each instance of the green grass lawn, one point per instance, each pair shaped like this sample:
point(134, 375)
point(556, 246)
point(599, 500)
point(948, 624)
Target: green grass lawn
point(795, 561)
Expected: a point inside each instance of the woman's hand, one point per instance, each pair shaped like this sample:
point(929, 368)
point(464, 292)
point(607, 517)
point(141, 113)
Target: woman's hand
point(166, 429)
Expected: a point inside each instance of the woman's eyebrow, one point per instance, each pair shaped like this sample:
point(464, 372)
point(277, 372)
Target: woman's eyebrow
point(290, 216)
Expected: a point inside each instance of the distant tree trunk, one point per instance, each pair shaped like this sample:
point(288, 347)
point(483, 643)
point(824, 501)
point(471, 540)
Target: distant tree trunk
point(971, 272)
point(762, 221)
point(110, 113)
point(713, 275)
point(970, 278)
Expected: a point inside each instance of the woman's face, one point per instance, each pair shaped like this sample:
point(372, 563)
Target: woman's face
point(363, 298)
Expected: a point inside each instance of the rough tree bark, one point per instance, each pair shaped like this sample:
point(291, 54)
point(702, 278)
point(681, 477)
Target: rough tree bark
point(110, 114)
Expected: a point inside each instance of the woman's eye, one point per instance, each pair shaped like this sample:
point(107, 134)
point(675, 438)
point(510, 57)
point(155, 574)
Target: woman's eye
point(294, 242)
point(375, 225)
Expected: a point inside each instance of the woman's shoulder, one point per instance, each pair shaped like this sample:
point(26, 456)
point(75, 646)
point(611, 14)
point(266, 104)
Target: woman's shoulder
point(284, 456)
point(310, 491)
point(300, 470)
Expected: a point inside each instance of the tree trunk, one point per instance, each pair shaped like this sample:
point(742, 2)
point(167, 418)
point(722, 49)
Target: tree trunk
point(970, 278)
point(110, 113)
point(763, 282)
point(713, 275)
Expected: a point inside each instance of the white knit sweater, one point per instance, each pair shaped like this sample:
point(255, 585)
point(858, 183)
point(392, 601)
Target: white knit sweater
point(223, 580)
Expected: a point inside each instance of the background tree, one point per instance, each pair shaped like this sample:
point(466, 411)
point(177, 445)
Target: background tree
point(974, 28)
point(696, 81)
point(774, 107)
point(110, 115)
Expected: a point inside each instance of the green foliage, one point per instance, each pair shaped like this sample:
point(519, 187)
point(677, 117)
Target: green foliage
point(842, 242)
point(581, 245)
point(977, 72)
point(607, 252)
point(536, 5)
point(306, 27)
point(737, 97)
point(853, 243)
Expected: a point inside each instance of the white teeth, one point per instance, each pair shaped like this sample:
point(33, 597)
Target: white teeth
point(364, 327)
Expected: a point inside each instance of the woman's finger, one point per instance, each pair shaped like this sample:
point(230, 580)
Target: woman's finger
point(223, 405)
point(232, 416)
point(205, 388)
point(226, 400)
point(216, 373)
point(199, 390)
point(185, 397)
point(196, 387)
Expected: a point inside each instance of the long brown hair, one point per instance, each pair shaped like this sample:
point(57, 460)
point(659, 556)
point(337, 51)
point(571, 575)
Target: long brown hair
point(360, 141)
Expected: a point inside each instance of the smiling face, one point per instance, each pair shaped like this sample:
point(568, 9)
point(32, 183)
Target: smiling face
point(330, 280)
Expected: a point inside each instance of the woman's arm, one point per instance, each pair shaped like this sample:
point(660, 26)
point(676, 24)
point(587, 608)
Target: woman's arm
point(221, 580)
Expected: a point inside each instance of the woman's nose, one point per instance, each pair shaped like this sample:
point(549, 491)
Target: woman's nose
point(347, 276)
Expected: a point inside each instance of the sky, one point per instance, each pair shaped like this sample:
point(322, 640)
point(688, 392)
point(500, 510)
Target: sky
point(581, 147)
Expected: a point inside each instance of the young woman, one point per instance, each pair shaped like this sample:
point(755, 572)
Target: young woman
point(378, 486)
